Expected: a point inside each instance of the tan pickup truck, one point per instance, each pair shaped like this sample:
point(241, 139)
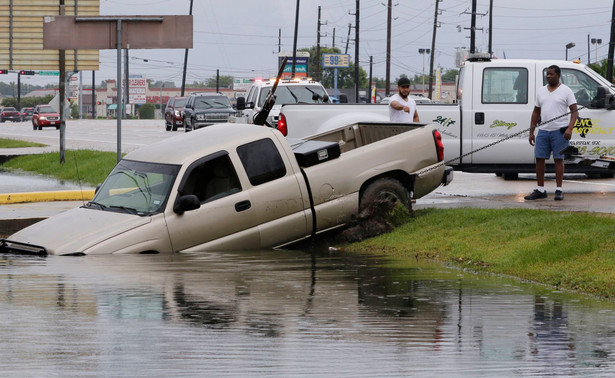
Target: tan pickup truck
point(237, 186)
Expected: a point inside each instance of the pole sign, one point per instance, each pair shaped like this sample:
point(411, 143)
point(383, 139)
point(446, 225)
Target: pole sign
point(49, 73)
point(137, 89)
point(301, 66)
point(336, 60)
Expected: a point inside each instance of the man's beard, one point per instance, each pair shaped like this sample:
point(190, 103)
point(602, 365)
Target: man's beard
point(402, 95)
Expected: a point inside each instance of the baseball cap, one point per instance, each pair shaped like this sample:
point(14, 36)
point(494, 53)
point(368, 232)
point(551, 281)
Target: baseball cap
point(403, 81)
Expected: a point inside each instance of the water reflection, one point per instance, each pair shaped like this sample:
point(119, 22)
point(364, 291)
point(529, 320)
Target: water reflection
point(288, 313)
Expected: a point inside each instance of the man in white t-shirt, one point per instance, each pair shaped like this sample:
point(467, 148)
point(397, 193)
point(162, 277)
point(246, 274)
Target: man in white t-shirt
point(553, 100)
point(402, 108)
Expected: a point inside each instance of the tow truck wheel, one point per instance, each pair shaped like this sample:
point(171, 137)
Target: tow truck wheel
point(382, 196)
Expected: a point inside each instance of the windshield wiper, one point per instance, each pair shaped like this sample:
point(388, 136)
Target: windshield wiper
point(128, 210)
point(92, 203)
point(293, 94)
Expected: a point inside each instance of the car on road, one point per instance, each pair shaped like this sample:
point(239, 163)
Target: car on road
point(204, 109)
point(45, 116)
point(26, 114)
point(173, 113)
point(9, 114)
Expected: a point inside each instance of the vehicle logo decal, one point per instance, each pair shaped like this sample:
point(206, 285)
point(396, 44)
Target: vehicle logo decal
point(498, 123)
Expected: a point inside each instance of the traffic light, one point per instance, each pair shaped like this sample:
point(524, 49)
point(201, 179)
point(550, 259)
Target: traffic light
point(4, 72)
point(22, 72)
point(99, 103)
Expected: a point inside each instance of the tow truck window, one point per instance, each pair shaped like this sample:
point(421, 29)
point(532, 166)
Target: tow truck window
point(582, 85)
point(504, 86)
point(262, 161)
point(294, 94)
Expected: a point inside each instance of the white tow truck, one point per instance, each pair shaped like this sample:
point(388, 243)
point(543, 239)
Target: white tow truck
point(289, 91)
point(495, 102)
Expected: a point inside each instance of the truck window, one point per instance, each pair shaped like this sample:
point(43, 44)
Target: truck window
point(504, 86)
point(212, 179)
point(262, 161)
point(583, 86)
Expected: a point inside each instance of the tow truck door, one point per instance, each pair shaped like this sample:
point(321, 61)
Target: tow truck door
point(502, 102)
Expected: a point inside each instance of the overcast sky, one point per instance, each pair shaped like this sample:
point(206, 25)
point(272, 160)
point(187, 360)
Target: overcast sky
point(240, 37)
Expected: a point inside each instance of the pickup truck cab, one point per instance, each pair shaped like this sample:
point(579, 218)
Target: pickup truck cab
point(238, 186)
point(484, 130)
point(289, 91)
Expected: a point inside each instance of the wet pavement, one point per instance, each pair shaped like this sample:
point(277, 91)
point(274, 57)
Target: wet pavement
point(289, 313)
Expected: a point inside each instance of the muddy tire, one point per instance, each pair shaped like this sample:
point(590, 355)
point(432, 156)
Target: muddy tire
point(382, 195)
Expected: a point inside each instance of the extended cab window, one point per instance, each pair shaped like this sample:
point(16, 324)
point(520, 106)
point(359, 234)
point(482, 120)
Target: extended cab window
point(262, 161)
point(212, 179)
point(504, 86)
point(582, 85)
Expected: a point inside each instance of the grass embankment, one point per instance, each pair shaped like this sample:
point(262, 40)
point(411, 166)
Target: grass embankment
point(573, 251)
point(85, 166)
point(12, 143)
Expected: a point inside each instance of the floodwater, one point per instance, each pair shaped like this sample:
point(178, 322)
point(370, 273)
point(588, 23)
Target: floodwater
point(289, 313)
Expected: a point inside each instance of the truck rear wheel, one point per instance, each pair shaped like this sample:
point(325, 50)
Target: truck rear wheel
point(382, 195)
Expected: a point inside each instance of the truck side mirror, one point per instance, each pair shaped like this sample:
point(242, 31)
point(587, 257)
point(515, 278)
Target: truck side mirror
point(186, 203)
point(343, 99)
point(325, 98)
point(241, 103)
point(601, 100)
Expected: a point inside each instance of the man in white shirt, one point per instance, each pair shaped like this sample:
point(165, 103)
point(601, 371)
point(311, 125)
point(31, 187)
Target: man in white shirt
point(553, 100)
point(402, 108)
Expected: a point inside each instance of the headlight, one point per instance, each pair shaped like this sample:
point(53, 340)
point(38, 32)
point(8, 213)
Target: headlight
point(200, 117)
point(42, 118)
point(177, 113)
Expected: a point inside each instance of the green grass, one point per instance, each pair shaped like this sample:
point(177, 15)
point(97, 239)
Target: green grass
point(574, 251)
point(85, 166)
point(12, 143)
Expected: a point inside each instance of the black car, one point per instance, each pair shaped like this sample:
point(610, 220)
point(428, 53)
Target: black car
point(26, 114)
point(204, 109)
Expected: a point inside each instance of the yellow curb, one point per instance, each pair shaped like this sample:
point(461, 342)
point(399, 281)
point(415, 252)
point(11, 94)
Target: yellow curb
point(65, 195)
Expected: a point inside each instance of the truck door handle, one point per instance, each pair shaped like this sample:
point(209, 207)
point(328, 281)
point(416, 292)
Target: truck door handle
point(242, 206)
point(479, 118)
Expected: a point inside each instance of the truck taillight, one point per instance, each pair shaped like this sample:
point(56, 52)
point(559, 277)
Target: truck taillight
point(282, 125)
point(439, 146)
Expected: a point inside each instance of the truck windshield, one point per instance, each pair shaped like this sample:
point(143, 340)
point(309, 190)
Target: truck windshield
point(294, 94)
point(136, 188)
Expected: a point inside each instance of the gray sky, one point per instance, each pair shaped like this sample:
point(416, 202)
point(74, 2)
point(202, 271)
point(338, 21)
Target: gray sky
point(240, 37)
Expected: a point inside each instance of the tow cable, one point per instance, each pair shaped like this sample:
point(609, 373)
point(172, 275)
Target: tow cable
point(426, 170)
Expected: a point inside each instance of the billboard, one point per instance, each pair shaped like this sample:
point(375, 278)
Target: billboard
point(21, 35)
point(301, 67)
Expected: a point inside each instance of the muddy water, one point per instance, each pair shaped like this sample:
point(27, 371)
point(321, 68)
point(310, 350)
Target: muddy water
point(288, 313)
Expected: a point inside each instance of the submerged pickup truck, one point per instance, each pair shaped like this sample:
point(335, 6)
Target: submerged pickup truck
point(239, 186)
point(495, 101)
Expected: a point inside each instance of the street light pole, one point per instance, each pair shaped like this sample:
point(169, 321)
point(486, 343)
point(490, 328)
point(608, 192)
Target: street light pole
point(596, 41)
point(423, 52)
point(568, 47)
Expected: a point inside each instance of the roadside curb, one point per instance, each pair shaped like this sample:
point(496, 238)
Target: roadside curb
point(65, 195)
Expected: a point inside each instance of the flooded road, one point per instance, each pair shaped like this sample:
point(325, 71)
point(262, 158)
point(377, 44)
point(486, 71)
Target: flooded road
point(289, 313)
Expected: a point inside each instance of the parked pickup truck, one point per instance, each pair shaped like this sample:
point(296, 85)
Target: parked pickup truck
point(495, 101)
point(239, 186)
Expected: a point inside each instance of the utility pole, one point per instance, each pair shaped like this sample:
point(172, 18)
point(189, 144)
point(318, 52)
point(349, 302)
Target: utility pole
point(186, 58)
point(388, 58)
point(609, 66)
point(472, 28)
point(126, 86)
point(433, 49)
point(356, 53)
point(318, 47)
point(295, 41)
point(279, 40)
point(369, 93)
point(94, 95)
point(491, 28)
point(348, 38)
point(333, 44)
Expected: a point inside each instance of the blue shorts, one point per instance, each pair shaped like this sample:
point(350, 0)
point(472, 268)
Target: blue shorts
point(550, 141)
